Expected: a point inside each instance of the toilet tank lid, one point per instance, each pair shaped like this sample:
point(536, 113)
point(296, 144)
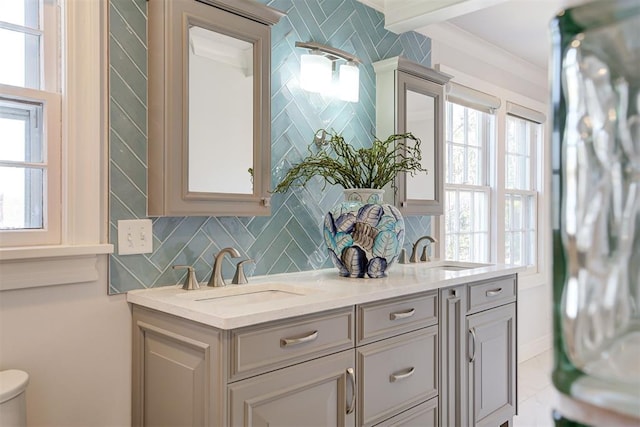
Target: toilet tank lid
point(12, 383)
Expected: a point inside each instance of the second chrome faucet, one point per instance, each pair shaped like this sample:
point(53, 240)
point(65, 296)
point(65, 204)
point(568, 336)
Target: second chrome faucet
point(414, 251)
point(216, 279)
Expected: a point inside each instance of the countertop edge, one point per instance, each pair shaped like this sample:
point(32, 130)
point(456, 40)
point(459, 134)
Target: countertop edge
point(329, 292)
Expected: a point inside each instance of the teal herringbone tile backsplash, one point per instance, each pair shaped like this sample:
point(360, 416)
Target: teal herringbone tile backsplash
point(290, 239)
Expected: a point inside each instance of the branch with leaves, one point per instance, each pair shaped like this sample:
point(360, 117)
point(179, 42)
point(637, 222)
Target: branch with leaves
point(339, 163)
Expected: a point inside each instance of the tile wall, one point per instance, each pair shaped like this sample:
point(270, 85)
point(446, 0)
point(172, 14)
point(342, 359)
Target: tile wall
point(290, 239)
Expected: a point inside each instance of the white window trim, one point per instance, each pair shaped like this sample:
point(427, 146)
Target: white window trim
point(531, 277)
point(84, 230)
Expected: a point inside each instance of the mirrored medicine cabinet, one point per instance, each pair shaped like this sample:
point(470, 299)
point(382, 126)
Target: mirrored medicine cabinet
point(410, 98)
point(209, 107)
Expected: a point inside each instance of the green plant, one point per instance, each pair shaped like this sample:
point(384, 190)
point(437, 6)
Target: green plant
point(372, 167)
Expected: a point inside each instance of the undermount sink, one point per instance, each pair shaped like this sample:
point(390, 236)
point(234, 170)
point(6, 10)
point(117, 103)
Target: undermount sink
point(451, 267)
point(446, 265)
point(248, 294)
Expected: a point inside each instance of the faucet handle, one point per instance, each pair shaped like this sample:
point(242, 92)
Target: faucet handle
point(424, 257)
point(190, 282)
point(402, 258)
point(240, 278)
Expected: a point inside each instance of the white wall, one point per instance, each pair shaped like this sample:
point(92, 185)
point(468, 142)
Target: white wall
point(75, 343)
point(503, 74)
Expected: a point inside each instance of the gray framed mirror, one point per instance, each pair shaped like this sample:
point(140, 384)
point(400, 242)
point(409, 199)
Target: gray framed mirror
point(209, 107)
point(410, 98)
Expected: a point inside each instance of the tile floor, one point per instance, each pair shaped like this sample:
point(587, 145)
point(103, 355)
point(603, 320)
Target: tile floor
point(536, 394)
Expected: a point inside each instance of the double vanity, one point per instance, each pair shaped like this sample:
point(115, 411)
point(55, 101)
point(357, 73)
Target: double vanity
point(432, 344)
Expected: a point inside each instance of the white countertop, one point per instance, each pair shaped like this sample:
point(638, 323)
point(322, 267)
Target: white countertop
point(273, 297)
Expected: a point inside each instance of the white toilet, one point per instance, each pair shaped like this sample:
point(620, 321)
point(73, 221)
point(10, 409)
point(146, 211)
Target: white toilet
point(13, 409)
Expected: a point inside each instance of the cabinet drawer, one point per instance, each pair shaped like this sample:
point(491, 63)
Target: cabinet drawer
point(396, 374)
point(384, 319)
point(491, 293)
point(261, 348)
point(423, 415)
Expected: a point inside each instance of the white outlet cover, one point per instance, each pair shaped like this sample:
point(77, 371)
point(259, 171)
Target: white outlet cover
point(135, 236)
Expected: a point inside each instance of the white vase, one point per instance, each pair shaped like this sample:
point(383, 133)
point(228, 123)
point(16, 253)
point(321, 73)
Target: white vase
point(363, 235)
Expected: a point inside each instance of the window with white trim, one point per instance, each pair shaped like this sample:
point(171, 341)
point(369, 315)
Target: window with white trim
point(30, 123)
point(523, 138)
point(468, 136)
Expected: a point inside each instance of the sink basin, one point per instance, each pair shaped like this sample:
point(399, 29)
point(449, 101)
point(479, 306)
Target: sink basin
point(451, 267)
point(445, 265)
point(248, 294)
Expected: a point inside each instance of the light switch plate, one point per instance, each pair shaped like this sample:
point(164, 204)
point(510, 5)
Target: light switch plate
point(135, 236)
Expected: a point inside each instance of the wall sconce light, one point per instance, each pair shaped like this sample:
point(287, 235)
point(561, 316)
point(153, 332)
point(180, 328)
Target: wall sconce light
point(316, 71)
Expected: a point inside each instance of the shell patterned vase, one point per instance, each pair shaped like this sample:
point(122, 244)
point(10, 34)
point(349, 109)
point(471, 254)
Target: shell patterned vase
point(363, 235)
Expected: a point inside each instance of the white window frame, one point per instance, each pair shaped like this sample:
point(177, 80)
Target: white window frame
point(83, 182)
point(483, 187)
point(534, 147)
point(48, 95)
point(531, 277)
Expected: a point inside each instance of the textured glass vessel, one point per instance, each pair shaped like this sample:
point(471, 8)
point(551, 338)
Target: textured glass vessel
point(596, 188)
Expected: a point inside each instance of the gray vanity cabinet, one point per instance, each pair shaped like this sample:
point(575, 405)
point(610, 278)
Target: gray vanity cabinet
point(438, 358)
point(319, 392)
point(478, 329)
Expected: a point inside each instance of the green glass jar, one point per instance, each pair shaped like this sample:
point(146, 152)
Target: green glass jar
point(596, 202)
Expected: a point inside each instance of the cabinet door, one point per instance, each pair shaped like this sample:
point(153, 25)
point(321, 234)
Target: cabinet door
point(421, 112)
point(315, 393)
point(176, 372)
point(492, 365)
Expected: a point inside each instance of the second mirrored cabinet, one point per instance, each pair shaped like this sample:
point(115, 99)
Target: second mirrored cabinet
point(410, 98)
point(209, 107)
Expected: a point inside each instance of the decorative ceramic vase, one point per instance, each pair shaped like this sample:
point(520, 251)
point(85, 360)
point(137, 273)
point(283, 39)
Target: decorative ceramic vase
point(596, 227)
point(363, 235)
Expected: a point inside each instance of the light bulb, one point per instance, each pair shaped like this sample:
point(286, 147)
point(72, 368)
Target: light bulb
point(315, 72)
point(349, 85)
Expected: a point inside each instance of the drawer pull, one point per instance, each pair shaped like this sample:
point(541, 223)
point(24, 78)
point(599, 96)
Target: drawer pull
point(494, 292)
point(285, 342)
point(402, 314)
point(352, 379)
point(401, 375)
point(472, 357)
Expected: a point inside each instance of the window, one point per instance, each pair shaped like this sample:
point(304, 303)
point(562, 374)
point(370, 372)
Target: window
point(492, 179)
point(65, 248)
point(468, 136)
point(523, 137)
point(30, 123)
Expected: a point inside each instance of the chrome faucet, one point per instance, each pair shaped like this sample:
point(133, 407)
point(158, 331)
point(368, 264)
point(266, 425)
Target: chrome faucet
point(414, 251)
point(216, 279)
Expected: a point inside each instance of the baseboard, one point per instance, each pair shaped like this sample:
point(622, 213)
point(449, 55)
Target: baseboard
point(534, 348)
